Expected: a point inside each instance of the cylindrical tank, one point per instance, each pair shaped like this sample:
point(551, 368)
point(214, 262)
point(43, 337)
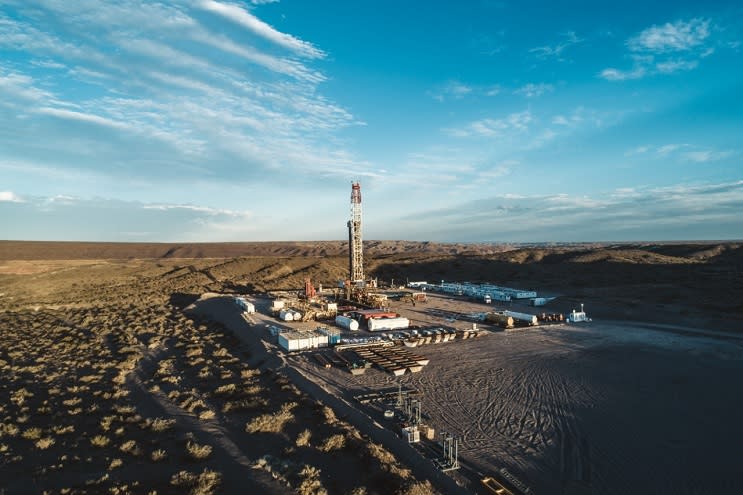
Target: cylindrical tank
point(377, 324)
point(286, 314)
point(525, 317)
point(346, 322)
point(499, 318)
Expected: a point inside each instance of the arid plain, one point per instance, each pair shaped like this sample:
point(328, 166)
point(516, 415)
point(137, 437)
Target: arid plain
point(111, 386)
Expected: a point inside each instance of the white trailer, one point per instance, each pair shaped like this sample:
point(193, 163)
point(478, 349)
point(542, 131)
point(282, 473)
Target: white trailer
point(380, 324)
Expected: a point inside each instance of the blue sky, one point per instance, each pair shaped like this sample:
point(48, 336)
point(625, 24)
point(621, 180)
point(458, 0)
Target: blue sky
point(215, 120)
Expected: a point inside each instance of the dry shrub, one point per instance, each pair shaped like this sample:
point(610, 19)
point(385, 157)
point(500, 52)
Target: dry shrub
point(418, 488)
point(32, 434)
point(159, 425)
point(100, 441)
point(272, 423)
point(158, 455)
point(249, 374)
point(310, 482)
point(228, 389)
point(244, 405)
point(329, 415)
point(44, 443)
point(198, 451)
point(63, 430)
point(114, 464)
point(8, 430)
point(207, 414)
point(72, 402)
point(303, 439)
point(334, 442)
point(205, 483)
point(130, 447)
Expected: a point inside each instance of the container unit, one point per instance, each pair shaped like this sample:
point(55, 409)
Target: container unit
point(299, 341)
point(346, 322)
point(286, 315)
point(538, 301)
point(522, 317)
point(379, 324)
point(334, 335)
point(278, 304)
point(523, 294)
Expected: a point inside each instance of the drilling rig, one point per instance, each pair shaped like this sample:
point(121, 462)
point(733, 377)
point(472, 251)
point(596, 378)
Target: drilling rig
point(355, 247)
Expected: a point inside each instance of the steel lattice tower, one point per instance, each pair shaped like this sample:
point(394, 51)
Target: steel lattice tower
point(355, 247)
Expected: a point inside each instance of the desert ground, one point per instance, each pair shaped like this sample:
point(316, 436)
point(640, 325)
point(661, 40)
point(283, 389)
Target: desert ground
point(598, 407)
point(119, 379)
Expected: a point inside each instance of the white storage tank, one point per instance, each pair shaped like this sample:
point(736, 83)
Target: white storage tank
point(378, 324)
point(346, 322)
point(286, 315)
point(525, 317)
point(297, 315)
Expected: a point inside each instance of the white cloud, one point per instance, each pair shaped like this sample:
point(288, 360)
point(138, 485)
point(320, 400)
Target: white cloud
point(667, 149)
point(682, 151)
point(10, 197)
point(706, 155)
point(612, 74)
point(671, 37)
point(244, 18)
point(666, 49)
point(532, 90)
point(451, 90)
point(676, 212)
point(672, 66)
point(515, 122)
point(83, 117)
point(200, 209)
point(556, 50)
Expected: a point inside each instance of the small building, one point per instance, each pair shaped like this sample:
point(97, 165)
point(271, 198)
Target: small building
point(245, 305)
point(300, 341)
point(277, 304)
